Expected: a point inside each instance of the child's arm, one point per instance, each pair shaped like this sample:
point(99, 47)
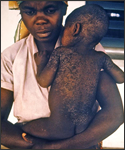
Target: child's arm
point(46, 76)
point(113, 70)
point(41, 59)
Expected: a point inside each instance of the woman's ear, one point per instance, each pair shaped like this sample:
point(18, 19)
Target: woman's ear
point(76, 29)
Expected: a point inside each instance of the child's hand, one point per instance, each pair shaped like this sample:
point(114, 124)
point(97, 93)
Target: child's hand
point(41, 58)
point(27, 138)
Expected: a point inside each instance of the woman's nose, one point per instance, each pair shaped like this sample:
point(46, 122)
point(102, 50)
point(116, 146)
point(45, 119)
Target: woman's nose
point(41, 19)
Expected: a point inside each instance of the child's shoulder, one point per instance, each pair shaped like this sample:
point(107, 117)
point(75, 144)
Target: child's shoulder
point(63, 50)
point(99, 53)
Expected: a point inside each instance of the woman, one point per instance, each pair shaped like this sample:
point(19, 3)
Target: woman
point(43, 20)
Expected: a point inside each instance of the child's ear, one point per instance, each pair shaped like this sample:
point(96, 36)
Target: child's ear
point(76, 29)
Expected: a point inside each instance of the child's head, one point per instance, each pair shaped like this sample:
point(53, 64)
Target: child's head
point(88, 23)
point(43, 19)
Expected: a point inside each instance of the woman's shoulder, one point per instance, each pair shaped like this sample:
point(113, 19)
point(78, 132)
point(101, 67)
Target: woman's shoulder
point(15, 46)
point(10, 52)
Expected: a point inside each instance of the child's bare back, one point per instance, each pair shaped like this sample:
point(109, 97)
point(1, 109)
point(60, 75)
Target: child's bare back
point(72, 98)
point(73, 92)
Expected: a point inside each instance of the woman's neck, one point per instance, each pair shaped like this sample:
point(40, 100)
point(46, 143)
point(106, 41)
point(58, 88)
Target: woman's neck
point(45, 46)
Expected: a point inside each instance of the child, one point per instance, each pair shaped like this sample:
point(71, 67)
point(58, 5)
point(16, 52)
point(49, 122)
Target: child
point(73, 72)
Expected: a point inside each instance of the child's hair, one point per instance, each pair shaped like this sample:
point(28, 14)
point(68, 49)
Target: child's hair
point(94, 22)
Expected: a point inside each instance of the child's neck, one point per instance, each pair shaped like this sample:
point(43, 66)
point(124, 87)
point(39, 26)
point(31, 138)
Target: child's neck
point(82, 48)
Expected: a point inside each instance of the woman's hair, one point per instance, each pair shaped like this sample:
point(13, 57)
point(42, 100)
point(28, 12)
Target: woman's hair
point(93, 19)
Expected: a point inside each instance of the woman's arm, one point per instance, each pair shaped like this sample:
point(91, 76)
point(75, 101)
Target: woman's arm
point(106, 121)
point(11, 135)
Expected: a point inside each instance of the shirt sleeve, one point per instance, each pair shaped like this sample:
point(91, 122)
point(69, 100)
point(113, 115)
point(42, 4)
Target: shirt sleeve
point(99, 47)
point(6, 73)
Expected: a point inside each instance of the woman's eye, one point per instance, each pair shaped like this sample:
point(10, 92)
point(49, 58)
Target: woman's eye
point(30, 13)
point(50, 10)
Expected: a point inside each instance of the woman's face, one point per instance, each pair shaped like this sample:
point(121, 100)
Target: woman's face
point(43, 19)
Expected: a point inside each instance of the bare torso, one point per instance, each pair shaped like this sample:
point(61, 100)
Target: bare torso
point(73, 93)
